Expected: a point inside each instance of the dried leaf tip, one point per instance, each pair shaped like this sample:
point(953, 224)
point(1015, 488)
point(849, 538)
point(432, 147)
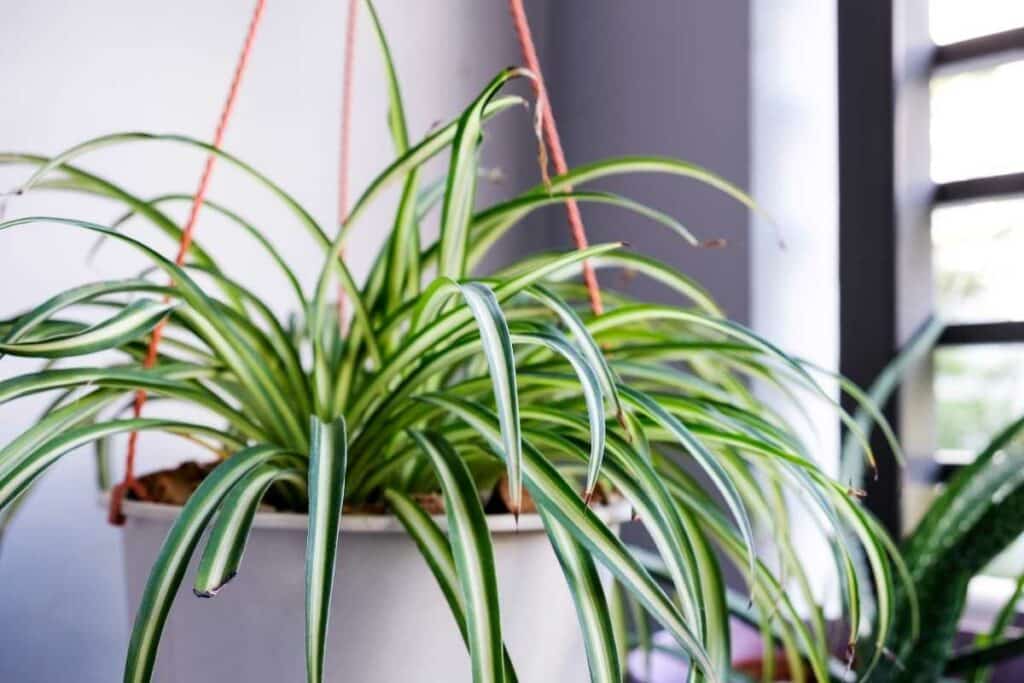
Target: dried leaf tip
point(714, 244)
point(212, 592)
point(891, 656)
point(851, 653)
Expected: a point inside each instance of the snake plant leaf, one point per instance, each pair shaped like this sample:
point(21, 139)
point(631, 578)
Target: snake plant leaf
point(176, 551)
point(965, 498)
point(133, 321)
point(979, 659)
point(993, 637)
point(327, 466)
point(551, 491)
point(589, 598)
point(474, 558)
point(974, 519)
point(223, 553)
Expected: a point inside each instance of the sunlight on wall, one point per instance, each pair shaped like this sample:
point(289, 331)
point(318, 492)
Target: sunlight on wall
point(953, 20)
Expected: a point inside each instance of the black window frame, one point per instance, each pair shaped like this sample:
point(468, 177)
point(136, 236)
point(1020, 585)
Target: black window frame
point(886, 61)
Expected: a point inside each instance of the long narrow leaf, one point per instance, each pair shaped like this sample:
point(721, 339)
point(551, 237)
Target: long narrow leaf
point(223, 552)
point(550, 490)
point(327, 465)
point(169, 568)
point(474, 558)
point(591, 606)
point(437, 553)
point(135, 320)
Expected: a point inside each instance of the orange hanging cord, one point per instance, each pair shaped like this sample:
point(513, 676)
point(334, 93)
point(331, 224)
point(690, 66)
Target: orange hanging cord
point(348, 68)
point(554, 144)
point(115, 515)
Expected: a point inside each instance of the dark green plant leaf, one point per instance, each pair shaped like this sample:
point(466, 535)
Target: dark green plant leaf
point(327, 465)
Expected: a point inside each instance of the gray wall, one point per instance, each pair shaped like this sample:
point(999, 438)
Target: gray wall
point(665, 77)
point(670, 80)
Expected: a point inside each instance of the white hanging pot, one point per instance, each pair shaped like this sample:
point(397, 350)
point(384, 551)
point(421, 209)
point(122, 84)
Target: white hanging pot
point(389, 621)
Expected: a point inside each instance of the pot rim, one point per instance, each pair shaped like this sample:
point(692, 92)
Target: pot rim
point(615, 513)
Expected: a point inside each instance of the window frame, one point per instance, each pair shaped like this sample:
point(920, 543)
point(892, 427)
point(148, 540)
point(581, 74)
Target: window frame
point(886, 61)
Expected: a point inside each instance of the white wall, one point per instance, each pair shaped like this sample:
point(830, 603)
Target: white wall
point(73, 70)
point(795, 178)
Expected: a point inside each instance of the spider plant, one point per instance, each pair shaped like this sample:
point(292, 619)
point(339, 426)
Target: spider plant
point(446, 381)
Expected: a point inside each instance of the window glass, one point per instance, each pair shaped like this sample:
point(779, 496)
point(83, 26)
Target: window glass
point(951, 21)
point(976, 122)
point(977, 251)
point(978, 391)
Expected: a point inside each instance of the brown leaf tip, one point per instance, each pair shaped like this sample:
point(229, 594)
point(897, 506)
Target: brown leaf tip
point(714, 244)
point(212, 592)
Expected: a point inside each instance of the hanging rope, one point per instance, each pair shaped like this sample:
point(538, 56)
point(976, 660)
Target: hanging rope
point(346, 135)
point(554, 143)
point(115, 514)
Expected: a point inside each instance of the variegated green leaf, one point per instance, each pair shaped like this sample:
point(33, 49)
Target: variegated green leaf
point(327, 465)
point(134, 320)
point(169, 568)
point(474, 559)
point(224, 550)
point(497, 345)
point(460, 192)
point(591, 605)
point(552, 492)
